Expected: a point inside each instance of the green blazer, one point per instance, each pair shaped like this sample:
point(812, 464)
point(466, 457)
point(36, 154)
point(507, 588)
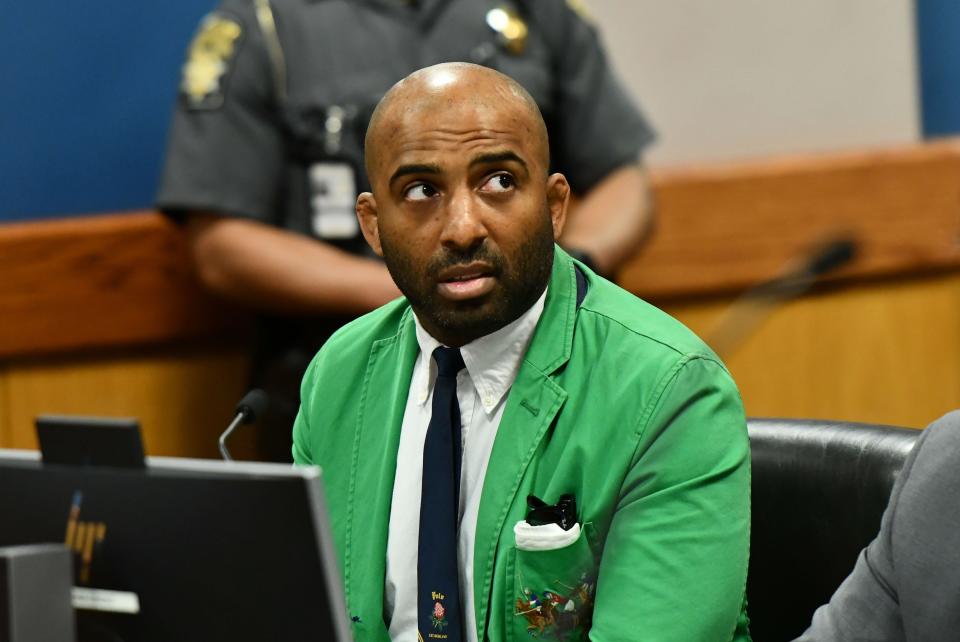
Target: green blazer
point(616, 403)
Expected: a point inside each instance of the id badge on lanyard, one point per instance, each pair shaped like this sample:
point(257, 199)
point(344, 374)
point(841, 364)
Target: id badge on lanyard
point(333, 197)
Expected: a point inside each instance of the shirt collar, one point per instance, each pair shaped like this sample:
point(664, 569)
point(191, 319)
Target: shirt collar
point(492, 360)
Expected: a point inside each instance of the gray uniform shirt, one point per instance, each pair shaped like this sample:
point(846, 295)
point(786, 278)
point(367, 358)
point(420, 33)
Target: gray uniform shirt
point(906, 583)
point(247, 146)
point(275, 100)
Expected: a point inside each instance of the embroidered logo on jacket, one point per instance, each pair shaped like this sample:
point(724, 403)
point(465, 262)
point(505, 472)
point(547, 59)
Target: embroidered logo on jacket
point(565, 616)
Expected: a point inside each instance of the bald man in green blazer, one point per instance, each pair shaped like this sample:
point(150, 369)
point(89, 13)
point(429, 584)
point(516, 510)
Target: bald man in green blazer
point(612, 401)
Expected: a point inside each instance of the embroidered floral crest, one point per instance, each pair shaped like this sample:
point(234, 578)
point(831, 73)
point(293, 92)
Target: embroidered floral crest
point(438, 619)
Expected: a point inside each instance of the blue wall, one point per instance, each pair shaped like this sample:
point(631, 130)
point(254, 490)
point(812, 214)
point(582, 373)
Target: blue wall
point(87, 89)
point(938, 35)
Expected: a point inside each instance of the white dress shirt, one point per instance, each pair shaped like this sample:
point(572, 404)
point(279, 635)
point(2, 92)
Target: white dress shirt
point(492, 363)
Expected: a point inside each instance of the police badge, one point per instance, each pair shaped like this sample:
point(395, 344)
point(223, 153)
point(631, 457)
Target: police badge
point(510, 27)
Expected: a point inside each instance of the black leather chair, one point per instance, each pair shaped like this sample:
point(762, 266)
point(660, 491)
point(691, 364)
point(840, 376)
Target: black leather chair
point(819, 491)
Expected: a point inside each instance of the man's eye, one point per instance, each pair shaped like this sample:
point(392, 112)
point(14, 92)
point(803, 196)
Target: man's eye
point(498, 183)
point(419, 192)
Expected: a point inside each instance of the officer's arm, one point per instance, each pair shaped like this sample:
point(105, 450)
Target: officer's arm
point(280, 271)
point(612, 219)
point(597, 135)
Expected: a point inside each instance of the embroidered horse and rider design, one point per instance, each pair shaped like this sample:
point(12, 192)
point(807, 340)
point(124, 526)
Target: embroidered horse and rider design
point(565, 616)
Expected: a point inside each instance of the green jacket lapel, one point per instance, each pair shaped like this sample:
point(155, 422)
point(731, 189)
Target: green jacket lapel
point(532, 405)
point(374, 462)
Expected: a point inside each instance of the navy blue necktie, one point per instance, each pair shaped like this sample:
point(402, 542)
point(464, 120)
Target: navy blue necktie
point(439, 614)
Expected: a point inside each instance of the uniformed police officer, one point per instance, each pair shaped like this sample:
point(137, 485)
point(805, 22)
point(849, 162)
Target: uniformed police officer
point(265, 154)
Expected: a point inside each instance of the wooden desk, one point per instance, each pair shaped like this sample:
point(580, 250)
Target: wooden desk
point(102, 315)
point(880, 342)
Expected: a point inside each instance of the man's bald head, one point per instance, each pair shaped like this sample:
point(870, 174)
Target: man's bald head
point(463, 209)
point(448, 85)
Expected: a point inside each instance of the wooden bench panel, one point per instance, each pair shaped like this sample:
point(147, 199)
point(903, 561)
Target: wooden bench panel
point(90, 307)
point(101, 282)
point(722, 229)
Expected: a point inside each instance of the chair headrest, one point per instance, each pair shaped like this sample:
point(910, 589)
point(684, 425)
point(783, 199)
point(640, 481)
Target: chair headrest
point(818, 494)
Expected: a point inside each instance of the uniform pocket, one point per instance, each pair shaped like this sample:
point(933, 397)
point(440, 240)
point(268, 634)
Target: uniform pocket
point(554, 590)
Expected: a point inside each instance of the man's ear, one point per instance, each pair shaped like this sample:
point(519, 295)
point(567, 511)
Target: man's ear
point(558, 200)
point(367, 215)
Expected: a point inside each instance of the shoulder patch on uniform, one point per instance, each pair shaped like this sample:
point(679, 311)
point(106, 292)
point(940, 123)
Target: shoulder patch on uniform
point(580, 8)
point(208, 61)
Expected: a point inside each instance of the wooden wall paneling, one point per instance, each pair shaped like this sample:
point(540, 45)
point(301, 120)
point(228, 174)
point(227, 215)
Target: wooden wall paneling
point(183, 398)
point(5, 429)
point(729, 227)
point(878, 351)
point(101, 282)
point(87, 304)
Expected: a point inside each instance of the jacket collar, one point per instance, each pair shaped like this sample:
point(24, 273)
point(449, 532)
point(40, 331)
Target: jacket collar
point(373, 466)
point(553, 339)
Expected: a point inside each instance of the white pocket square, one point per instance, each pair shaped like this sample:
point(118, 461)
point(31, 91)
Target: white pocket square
point(548, 537)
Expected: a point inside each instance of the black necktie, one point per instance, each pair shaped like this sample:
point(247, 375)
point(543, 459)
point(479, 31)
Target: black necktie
point(439, 615)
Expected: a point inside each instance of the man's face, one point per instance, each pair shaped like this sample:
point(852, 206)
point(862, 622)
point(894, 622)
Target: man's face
point(464, 215)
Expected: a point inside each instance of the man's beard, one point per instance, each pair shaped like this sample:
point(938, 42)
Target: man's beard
point(519, 284)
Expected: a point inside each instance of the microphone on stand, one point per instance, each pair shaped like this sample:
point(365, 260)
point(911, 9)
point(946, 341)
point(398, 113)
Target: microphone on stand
point(748, 311)
point(252, 405)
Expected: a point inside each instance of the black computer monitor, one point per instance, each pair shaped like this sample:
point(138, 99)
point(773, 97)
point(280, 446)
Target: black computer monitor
point(200, 550)
point(90, 441)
